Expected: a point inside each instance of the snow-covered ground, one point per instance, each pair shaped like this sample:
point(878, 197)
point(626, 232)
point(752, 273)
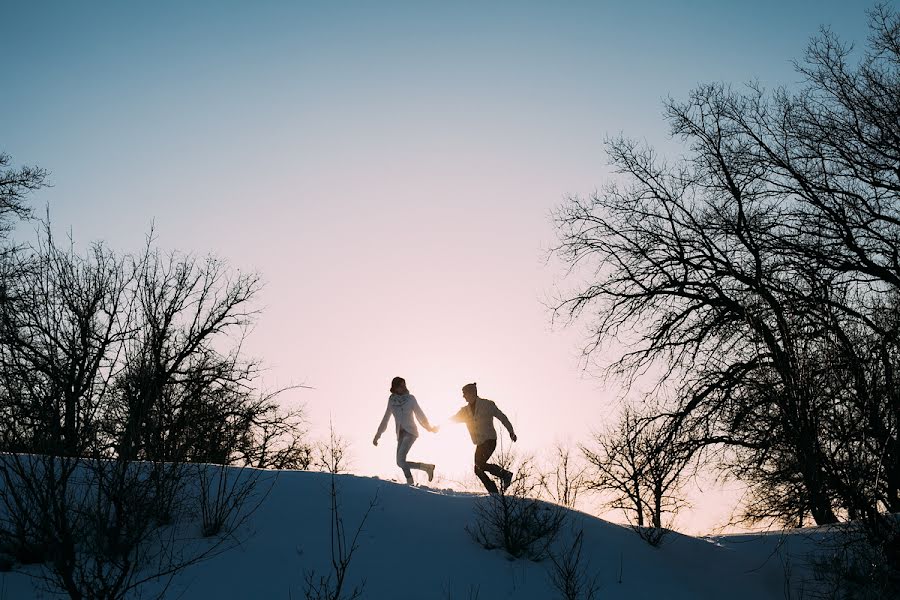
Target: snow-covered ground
point(415, 546)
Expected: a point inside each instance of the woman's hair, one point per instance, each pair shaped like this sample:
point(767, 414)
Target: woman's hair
point(470, 387)
point(398, 386)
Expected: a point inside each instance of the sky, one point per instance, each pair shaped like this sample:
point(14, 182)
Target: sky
point(389, 169)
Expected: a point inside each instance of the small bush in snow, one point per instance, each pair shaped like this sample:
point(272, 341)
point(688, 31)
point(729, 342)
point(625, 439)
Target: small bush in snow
point(224, 496)
point(515, 520)
point(652, 535)
point(335, 585)
point(569, 572)
point(864, 561)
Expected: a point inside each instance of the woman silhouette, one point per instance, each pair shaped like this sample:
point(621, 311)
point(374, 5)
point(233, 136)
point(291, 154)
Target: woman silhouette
point(403, 406)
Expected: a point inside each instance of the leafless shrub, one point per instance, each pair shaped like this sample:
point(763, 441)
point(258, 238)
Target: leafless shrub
point(472, 592)
point(333, 454)
point(515, 519)
point(569, 571)
point(96, 524)
point(652, 535)
point(861, 561)
point(226, 497)
point(331, 586)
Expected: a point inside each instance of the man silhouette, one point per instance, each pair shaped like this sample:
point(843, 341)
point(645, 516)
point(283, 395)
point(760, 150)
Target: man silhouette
point(478, 415)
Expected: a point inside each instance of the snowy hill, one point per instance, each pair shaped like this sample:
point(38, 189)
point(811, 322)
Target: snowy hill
point(415, 546)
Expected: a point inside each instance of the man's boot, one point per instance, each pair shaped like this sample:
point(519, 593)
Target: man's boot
point(505, 480)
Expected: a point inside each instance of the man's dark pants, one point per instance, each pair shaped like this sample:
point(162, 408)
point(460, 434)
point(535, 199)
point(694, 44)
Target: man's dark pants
point(483, 452)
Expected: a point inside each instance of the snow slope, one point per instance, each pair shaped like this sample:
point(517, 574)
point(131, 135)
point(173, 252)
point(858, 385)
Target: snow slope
point(415, 546)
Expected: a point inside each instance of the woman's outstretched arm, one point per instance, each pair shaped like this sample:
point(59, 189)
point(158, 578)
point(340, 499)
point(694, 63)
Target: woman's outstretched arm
point(384, 423)
point(420, 416)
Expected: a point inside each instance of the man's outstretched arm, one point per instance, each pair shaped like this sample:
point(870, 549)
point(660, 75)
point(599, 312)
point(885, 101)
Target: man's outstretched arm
point(461, 415)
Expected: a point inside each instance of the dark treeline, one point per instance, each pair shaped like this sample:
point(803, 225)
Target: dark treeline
point(761, 273)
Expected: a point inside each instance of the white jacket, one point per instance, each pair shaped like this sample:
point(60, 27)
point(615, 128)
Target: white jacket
point(480, 420)
point(403, 408)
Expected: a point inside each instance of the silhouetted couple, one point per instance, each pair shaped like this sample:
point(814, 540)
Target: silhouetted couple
point(478, 414)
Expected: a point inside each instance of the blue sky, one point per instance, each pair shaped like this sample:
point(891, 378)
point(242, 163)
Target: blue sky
point(389, 168)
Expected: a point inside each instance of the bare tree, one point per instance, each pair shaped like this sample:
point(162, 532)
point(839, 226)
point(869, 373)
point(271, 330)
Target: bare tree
point(179, 396)
point(275, 438)
point(15, 185)
point(565, 478)
point(618, 462)
point(62, 329)
point(115, 372)
point(643, 468)
point(758, 274)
